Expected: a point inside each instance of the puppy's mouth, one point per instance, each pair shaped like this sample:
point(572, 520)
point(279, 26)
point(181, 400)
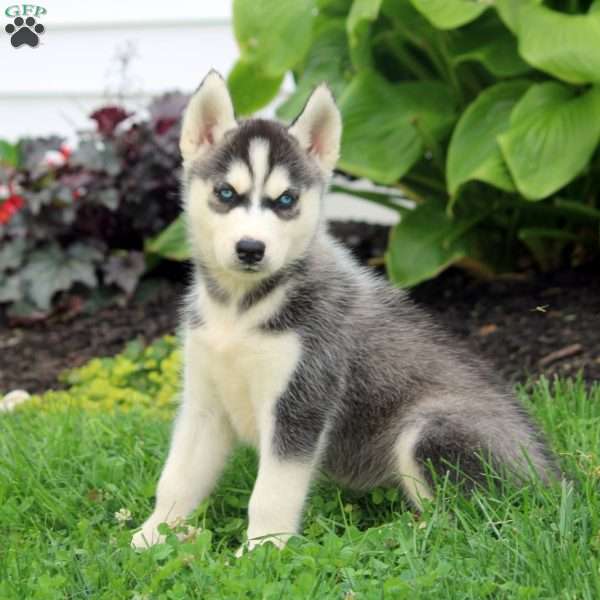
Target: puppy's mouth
point(250, 268)
point(243, 269)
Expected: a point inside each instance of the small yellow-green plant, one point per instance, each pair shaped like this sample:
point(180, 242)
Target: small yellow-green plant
point(137, 378)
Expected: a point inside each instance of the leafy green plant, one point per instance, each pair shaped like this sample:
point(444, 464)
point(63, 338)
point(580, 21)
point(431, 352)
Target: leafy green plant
point(486, 114)
point(72, 220)
point(139, 378)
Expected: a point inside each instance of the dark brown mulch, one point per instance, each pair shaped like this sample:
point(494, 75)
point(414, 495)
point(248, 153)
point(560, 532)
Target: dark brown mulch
point(541, 323)
point(33, 356)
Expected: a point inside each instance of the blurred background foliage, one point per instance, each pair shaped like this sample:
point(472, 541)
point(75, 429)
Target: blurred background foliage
point(485, 114)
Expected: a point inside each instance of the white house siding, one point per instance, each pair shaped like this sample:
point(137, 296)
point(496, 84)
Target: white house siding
point(78, 66)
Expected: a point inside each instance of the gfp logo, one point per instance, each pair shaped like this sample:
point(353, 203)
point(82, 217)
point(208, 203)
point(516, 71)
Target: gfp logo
point(24, 29)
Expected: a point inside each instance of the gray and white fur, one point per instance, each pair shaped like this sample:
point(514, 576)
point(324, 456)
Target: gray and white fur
point(293, 348)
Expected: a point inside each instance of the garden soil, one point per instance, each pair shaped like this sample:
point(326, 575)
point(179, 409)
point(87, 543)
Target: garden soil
point(526, 325)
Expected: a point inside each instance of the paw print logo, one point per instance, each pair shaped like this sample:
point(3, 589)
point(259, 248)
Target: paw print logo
point(24, 32)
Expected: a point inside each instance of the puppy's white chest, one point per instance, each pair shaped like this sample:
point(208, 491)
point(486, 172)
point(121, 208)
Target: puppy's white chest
point(248, 369)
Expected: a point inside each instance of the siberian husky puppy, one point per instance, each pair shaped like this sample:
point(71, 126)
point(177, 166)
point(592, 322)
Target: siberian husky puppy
point(293, 348)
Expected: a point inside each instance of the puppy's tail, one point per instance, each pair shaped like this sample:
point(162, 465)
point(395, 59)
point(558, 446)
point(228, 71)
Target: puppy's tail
point(484, 449)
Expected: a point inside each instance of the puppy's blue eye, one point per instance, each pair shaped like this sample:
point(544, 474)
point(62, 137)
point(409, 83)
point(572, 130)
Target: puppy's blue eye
point(226, 194)
point(286, 200)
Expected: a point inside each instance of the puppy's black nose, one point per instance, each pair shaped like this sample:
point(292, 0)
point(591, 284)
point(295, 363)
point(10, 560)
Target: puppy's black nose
point(250, 251)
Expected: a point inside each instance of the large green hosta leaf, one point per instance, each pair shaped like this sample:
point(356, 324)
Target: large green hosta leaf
point(489, 42)
point(406, 18)
point(400, 47)
point(385, 124)
point(330, 40)
point(509, 11)
point(362, 14)
point(552, 135)
point(273, 33)
point(566, 46)
point(425, 242)
point(474, 152)
point(448, 14)
point(334, 8)
point(250, 88)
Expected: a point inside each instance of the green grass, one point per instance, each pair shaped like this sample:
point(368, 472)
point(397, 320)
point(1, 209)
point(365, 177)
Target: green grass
point(64, 474)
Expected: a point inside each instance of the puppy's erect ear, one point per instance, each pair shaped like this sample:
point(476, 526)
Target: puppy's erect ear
point(209, 114)
point(319, 128)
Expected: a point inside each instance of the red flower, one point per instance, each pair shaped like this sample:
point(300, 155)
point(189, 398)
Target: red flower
point(9, 207)
point(65, 151)
point(108, 118)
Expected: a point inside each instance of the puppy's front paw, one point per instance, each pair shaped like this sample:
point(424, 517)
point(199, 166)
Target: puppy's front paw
point(278, 541)
point(147, 536)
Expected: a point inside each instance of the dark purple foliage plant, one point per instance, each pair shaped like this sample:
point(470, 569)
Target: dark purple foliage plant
point(74, 220)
